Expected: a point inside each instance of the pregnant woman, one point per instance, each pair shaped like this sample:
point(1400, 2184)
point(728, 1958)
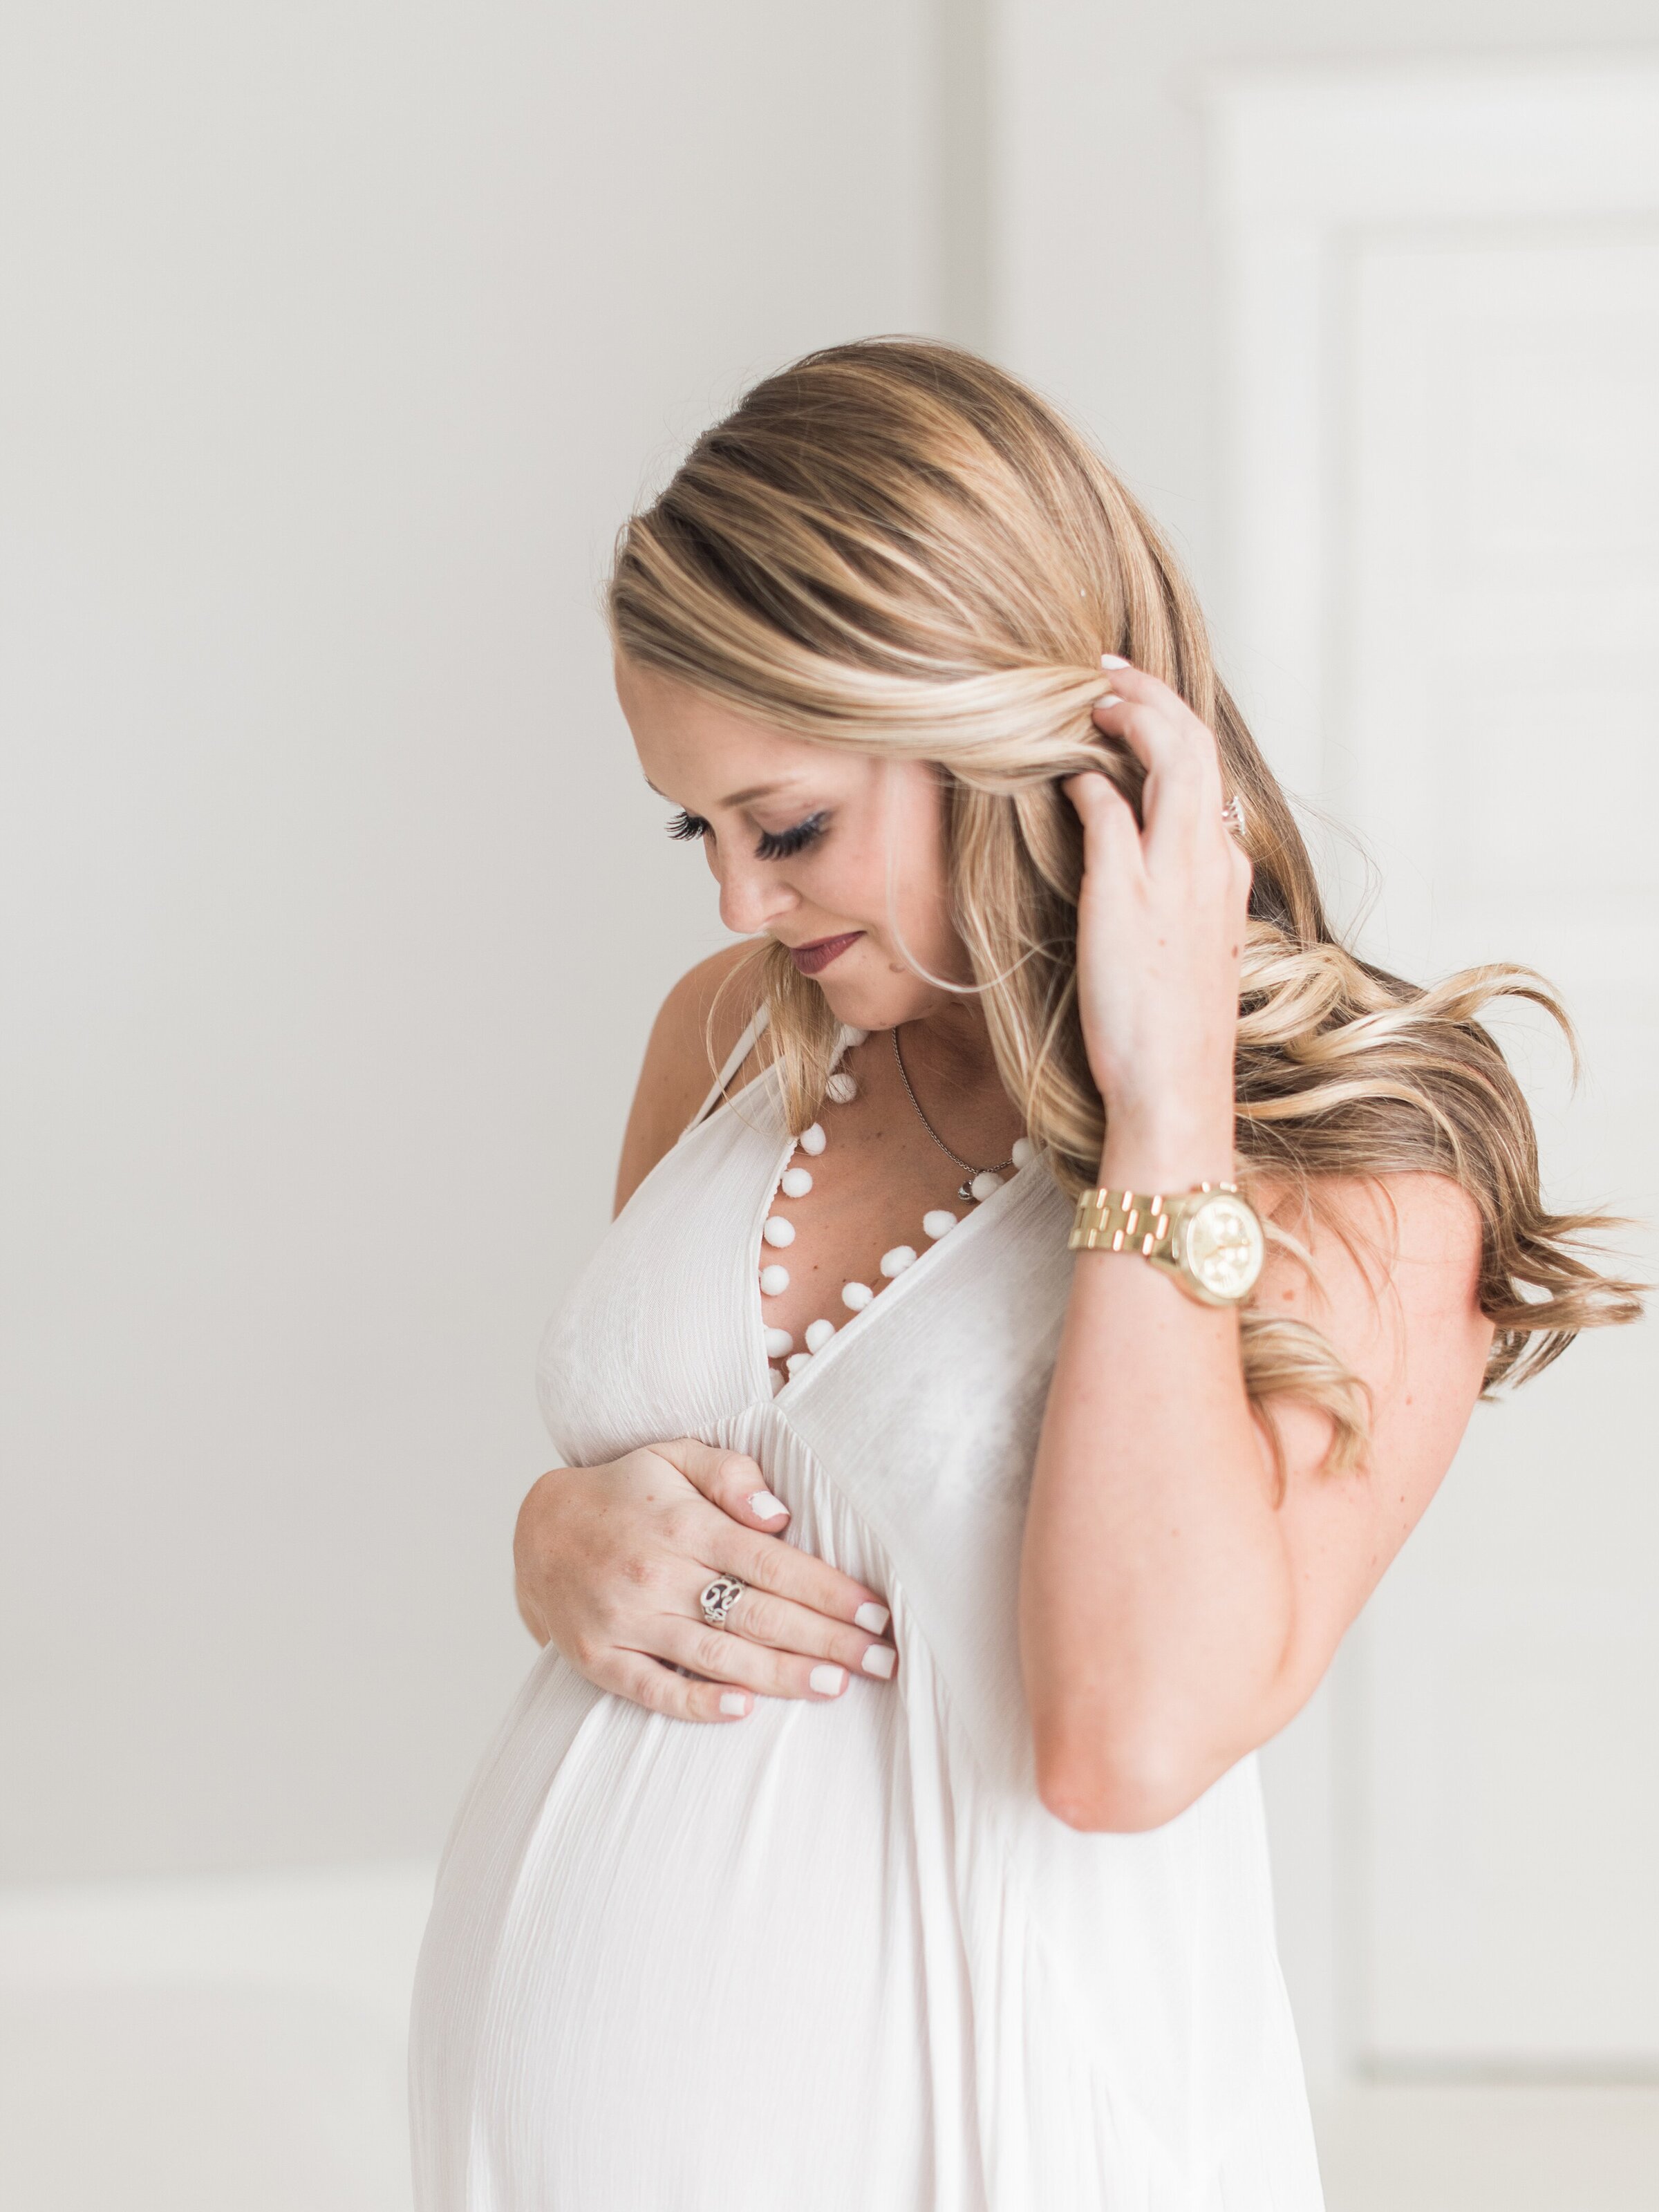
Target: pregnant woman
point(993, 1401)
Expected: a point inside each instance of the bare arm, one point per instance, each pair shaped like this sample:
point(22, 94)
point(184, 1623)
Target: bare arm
point(1174, 1612)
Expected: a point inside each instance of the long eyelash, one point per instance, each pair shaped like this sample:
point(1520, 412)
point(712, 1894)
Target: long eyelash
point(686, 827)
point(779, 845)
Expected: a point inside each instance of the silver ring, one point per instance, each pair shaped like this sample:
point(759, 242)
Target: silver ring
point(1233, 814)
point(717, 1600)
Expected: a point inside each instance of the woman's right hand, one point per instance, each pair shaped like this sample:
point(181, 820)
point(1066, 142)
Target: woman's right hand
point(610, 1562)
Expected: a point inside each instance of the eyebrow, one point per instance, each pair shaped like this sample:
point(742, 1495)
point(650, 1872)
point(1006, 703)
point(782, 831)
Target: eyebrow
point(739, 797)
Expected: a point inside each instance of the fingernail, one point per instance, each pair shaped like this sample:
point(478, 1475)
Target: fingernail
point(1113, 661)
point(1109, 699)
point(829, 1679)
point(765, 1507)
point(733, 1701)
point(879, 1660)
point(872, 1616)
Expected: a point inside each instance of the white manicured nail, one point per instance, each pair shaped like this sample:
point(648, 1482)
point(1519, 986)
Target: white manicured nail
point(733, 1701)
point(765, 1507)
point(1113, 661)
point(827, 1679)
point(879, 1660)
point(872, 1616)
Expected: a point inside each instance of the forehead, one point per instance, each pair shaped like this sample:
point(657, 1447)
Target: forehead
point(699, 751)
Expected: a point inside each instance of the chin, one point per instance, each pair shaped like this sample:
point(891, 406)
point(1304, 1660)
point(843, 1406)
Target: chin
point(877, 1002)
point(872, 987)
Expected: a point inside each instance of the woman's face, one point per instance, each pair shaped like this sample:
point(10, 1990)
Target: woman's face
point(797, 835)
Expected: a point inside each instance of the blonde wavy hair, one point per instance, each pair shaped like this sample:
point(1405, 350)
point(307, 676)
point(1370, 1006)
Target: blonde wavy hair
point(893, 546)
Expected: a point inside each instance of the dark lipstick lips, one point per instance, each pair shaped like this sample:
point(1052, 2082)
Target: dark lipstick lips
point(811, 959)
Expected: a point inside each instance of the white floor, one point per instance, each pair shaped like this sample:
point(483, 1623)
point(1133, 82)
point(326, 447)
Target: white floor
point(1525, 2148)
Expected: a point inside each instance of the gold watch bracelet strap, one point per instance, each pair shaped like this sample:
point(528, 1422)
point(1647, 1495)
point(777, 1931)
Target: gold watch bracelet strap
point(1131, 1220)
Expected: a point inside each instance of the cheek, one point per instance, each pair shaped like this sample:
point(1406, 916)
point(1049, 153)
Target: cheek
point(848, 878)
point(856, 884)
point(922, 884)
point(851, 884)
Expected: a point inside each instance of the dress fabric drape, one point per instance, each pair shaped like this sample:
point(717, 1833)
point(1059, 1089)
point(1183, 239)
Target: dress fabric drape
point(838, 1956)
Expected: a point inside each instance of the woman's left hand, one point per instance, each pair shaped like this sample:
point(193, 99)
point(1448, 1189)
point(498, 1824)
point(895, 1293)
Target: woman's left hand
point(1160, 933)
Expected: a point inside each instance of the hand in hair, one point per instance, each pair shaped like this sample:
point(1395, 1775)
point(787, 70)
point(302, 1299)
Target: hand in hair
point(1161, 925)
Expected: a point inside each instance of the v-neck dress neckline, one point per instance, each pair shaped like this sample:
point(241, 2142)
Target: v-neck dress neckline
point(755, 1316)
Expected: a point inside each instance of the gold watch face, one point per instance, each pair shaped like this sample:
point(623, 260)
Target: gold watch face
point(1223, 1247)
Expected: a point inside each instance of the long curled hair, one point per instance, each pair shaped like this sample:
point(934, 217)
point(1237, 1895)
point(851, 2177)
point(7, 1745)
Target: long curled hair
point(893, 546)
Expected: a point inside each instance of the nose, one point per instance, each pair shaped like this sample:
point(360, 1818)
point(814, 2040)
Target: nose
point(752, 894)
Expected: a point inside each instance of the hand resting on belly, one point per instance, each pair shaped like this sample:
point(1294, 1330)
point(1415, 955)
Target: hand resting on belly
point(610, 1562)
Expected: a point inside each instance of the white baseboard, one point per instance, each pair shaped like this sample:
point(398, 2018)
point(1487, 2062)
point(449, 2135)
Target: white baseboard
point(233, 2041)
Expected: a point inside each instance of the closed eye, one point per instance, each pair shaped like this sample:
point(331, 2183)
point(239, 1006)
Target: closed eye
point(780, 844)
point(686, 826)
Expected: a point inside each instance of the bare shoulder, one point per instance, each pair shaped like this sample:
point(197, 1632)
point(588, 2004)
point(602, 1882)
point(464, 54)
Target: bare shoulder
point(677, 1069)
point(1418, 1231)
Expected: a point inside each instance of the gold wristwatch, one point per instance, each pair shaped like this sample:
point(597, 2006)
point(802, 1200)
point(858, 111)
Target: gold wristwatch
point(1209, 1239)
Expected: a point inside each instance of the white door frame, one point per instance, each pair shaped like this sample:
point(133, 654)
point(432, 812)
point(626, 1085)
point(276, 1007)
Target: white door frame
point(1306, 165)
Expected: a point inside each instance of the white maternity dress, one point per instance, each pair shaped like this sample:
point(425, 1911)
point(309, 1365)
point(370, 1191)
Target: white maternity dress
point(838, 1957)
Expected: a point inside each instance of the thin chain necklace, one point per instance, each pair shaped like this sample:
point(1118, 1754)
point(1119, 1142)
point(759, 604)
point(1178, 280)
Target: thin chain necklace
point(970, 1173)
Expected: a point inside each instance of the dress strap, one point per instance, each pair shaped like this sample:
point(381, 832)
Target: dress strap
point(739, 1051)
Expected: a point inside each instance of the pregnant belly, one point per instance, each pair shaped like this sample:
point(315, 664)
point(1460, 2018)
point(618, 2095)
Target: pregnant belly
point(660, 1950)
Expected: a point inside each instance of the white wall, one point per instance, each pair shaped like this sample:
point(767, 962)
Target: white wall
point(339, 338)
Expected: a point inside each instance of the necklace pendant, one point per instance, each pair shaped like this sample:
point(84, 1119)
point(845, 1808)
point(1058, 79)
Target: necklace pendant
point(965, 1191)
